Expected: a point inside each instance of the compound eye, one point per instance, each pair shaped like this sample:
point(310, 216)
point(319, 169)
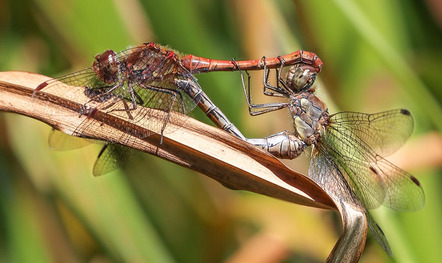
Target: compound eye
point(301, 77)
point(106, 66)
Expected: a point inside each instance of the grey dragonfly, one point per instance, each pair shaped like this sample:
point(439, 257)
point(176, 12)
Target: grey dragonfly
point(348, 148)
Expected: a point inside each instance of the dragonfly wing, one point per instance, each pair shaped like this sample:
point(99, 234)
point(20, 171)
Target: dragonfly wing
point(341, 151)
point(402, 190)
point(328, 176)
point(60, 141)
point(384, 132)
point(82, 78)
point(111, 157)
point(324, 171)
point(375, 180)
point(378, 233)
point(165, 96)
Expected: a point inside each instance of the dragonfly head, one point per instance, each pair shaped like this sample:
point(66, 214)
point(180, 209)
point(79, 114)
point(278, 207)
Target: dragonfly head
point(301, 77)
point(106, 66)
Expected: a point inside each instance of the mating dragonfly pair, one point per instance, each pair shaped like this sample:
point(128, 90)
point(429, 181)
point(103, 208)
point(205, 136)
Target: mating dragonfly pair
point(347, 145)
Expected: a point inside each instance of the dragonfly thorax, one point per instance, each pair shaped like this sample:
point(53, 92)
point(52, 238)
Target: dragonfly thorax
point(310, 115)
point(151, 63)
point(106, 66)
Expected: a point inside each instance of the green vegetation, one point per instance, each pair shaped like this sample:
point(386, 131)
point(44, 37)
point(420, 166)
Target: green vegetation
point(377, 55)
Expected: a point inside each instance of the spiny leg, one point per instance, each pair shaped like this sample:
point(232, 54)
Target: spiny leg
point(253, 108)
point(275, 91)
point(173, 94)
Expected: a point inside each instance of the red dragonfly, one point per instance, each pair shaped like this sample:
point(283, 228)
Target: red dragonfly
point(156, 77)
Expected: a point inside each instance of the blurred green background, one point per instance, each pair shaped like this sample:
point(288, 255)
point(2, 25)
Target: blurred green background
point(378, 55)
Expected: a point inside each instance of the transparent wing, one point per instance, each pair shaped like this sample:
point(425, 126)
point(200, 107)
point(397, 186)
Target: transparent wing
point(402, 190)
point(324, 171)
point(362, 182)
point(384, 132)
point(378, 233)
point(111, 157)
point(327, 174)
point(83, 78)
point(375, 180)
point(165, 96)
point(60, 141)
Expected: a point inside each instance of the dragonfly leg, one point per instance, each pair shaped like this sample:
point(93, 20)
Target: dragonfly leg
point(134, 97)
point(279, 72)
point(126, 109)
point(277, 91)
point(257, 109)
point(100, 94)
point(174, 94)
point(104, 94)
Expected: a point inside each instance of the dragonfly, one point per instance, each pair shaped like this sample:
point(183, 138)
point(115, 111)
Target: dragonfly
point(152, 77)
point(355, 142)
point(349, 146)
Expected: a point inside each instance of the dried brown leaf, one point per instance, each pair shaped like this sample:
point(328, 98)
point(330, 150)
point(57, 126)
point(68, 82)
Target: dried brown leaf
point(195, 145)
